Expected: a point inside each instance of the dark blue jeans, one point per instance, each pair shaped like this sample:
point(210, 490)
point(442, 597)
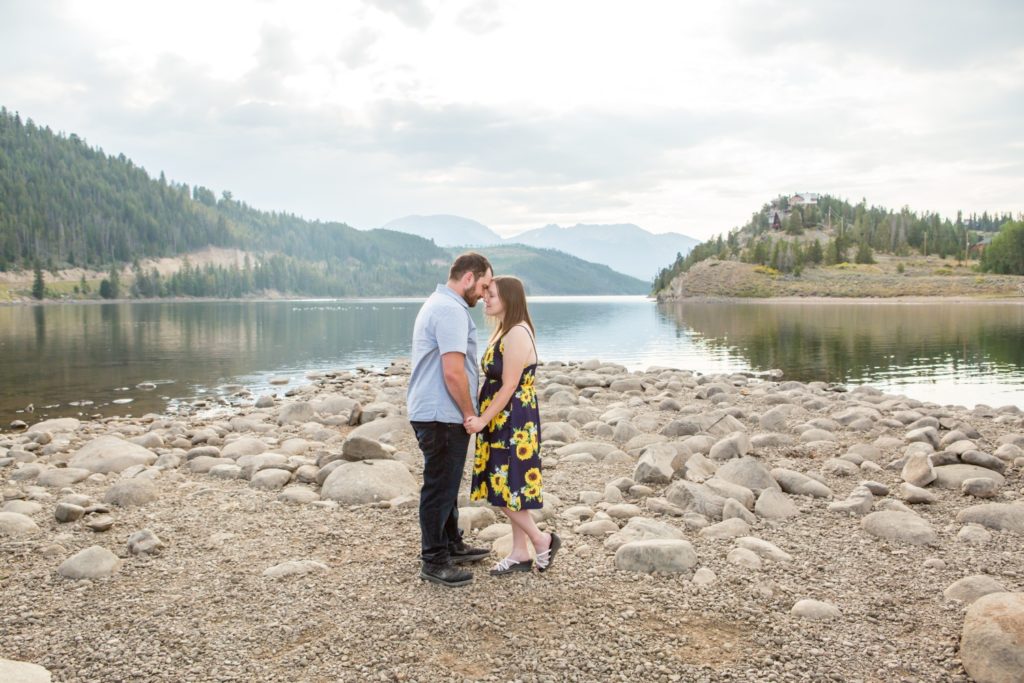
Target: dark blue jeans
point(444, 447)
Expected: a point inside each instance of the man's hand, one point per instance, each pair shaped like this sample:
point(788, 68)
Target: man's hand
point(474, 424)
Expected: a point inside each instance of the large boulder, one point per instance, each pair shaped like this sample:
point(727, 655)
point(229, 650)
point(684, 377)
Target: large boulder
point(1002, 516)
point(670, 556)
point(970, 588)
point(368, 481)
point(799, 484)
point(94, 562)
point(386, 429)
point(953, 476)
point(22, 672)
point(110, 454)
point(918, 470)
point(656, 465)
point(298, 412)
point(691, 497)
point(992, 641)
point(749, 472)
point(61, 477)
point(15, 524)
point(641, 529)
point(363, 448)
point(899, 526)
point(131, 492)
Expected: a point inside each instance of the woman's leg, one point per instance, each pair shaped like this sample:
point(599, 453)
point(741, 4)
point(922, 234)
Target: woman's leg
point(522, 520)
point(520, 553)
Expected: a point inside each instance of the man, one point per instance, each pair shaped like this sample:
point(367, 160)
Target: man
point(442, 395)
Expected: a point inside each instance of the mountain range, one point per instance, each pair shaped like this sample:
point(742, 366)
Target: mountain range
point(626, 248)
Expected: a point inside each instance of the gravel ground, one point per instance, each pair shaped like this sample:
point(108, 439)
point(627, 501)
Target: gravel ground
point(201, 610)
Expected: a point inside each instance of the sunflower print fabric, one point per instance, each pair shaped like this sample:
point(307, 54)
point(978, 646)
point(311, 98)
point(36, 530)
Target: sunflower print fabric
point(506, 464)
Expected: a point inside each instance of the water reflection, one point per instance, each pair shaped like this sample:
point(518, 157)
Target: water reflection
point(58, 354)
point(949, 352)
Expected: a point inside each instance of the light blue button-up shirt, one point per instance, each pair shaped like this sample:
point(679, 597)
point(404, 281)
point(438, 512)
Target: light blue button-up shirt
point(443, 325)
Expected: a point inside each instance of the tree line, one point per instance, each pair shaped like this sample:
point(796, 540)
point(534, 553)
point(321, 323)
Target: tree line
point(853, 232)
point(66, 204)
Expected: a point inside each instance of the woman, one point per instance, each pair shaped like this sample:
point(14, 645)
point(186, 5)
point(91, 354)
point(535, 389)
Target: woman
point(507, 467)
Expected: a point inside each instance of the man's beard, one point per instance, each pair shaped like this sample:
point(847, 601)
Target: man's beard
point(469, 296)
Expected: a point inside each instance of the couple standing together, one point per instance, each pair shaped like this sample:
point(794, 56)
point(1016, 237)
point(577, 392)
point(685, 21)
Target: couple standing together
point(446, 411)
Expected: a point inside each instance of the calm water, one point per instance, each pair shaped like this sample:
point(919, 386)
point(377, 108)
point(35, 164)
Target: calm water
point(55, 356)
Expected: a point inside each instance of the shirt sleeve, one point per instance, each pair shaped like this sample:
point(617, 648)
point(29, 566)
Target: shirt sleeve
point(452, 331)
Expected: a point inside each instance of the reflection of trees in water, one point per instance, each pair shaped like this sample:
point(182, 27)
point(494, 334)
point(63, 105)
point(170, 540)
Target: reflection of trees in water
point(850, 342)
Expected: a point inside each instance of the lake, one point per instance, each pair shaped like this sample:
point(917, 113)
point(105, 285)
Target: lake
point(86, 359)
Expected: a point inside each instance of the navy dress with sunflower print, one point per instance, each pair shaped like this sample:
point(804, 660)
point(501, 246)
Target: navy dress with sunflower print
point(506, 466)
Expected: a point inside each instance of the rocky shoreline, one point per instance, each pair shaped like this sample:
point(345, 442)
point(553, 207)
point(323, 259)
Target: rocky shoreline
point(715, 528)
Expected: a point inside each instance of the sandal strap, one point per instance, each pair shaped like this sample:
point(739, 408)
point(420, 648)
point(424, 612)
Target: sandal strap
point(505, 563)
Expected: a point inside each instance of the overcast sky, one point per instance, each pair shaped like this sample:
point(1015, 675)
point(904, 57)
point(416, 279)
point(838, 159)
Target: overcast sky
point(676, 116)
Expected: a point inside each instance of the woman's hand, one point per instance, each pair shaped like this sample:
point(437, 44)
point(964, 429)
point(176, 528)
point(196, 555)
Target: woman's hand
point(474, 424)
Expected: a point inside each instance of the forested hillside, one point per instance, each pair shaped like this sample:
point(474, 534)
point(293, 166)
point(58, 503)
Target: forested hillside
point(828, 231)
point(575, 276)
point(64, 203)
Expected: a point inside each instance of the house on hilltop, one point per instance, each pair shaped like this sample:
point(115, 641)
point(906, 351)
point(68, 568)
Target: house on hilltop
point(804, 198)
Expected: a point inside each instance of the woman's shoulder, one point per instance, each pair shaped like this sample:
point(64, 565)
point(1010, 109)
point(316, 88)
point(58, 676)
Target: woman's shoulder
point(519, 333)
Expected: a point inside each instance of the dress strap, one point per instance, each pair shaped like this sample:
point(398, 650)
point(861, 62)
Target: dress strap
point(536, 356)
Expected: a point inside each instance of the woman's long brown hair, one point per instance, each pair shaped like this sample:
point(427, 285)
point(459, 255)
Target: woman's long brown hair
point(513, 299)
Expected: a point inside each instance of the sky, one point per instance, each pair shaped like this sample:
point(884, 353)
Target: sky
point(676, 116)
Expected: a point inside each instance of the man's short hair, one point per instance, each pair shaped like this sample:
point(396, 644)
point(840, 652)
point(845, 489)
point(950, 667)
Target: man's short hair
point(470, 262)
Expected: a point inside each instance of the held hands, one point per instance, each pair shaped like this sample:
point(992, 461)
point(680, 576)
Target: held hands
point(474, 424)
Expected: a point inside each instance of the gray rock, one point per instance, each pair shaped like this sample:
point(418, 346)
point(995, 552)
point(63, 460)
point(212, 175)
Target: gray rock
point(16, 525)
point(979, 487)
point(704, 577)
point(992, 640)
point(970, 588)
point(623, 511)
point(859, 502)
point(294, 568)
point(298, 495)
point(764, 549)
point(22, 672)
point(974, 534)
point(877, 489)
point(1000, 516)
point(94, 562)
point(368, 481)
point(295, 413)
point(838, 467)
point(110, 454)
point(62, 477)
point(692, 497)
point(131, 492)
point(265, 401)
point(735, 445)
point(985, 460)
point(669, 556)
point(597, 527)
point(915, 494)
point(246, 445)
point(99, 523)
point(918, 470)
point(953, 476)
point(1009, 452)
point(727, 490)
point(68, 512)
point(661, 506)
point(748, 472)
point(800, 484)
point(741, 557)
point(815, 609)
point(899, 526)
point(144, 542)
point(363, 448)
point(251, 464)
point(270, 479)
point(733, 509)
point(928, 435)
point(225, 470)
point(22, 507)
point(729, 528)
point(656, 465)
point(640, 529)
point(775, 505)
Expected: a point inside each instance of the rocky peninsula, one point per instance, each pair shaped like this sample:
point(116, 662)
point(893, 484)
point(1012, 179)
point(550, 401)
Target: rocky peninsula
point(716, 528)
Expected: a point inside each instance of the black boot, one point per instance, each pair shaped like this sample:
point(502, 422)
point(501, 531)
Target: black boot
point(446, 574)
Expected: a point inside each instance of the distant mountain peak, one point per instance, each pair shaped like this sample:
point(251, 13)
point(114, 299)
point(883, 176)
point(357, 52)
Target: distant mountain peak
point(446, 230)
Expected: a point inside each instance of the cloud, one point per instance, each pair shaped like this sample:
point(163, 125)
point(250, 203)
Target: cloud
point(918, 34)
point(480, 17)
point(356, 51)
point(412, 13)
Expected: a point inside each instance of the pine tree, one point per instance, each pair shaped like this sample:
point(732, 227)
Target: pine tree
point(38, 285)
